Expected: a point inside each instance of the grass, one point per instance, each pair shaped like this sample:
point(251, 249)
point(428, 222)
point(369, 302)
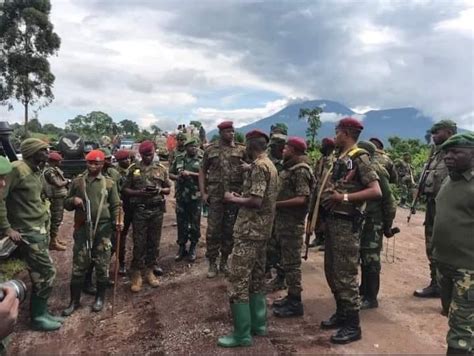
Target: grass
point(10, 268)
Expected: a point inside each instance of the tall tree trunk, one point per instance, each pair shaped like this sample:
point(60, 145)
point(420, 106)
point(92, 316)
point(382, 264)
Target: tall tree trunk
point(25, 104)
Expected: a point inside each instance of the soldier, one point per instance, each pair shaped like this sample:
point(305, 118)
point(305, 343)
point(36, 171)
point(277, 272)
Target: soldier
point(275, 154)
point(352, 182)
point(296, 183)
point(321, 167)
point(405, 179)
point(185, 171)
point(382, 157)
point(96, 203)
point(56, 191)
point(179, 150)
point(378, 222)
point(436, 174)
point(221, 171)
point(109, 170)
point(146, 185)
point(252, 230)
point(279, 128)
point(24, 218)
point(453, 245)
point(123, 167)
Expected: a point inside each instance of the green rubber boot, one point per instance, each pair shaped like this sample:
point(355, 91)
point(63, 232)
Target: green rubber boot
point(241, 335)
point(258, 314)
point(41, 320)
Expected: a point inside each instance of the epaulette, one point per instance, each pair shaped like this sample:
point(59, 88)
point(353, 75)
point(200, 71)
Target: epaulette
point(356, 152)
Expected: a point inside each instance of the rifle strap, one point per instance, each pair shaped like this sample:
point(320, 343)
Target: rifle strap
point(103, 193)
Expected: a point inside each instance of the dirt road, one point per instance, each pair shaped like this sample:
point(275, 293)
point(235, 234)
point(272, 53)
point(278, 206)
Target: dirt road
point(188, 311)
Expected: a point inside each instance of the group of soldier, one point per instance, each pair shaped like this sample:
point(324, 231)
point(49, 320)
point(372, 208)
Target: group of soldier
point(263, 197)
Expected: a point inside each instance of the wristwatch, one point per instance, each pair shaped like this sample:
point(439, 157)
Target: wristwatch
point(345, 197)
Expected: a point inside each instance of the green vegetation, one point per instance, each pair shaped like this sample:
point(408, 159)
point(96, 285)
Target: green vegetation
point(10, 268)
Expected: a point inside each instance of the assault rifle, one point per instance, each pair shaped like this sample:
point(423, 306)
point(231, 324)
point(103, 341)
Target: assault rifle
point(90, 227)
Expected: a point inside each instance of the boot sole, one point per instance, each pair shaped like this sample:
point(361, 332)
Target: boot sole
point(426, 296)
point(331, 327)
point(348, 341)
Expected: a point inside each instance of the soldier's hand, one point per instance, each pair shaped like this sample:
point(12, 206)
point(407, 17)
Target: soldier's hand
point(388, 232)
point(14, 235)
point(8, 312)
point(245, 166)
point(78, 203)
point(184, 173)
point(205, 198)
point(228, 197)
point(334, 199)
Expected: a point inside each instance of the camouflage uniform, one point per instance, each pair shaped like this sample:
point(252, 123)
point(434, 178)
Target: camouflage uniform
point(92, 188)
point(351, 173)
point(56, 191)
point(386, 162)
point(405, 181)
point(221, 164)
point(127, 214)
point(252, 230)
point(175, 153)
point(296, 179)
point(147, 213)
point(188, 204)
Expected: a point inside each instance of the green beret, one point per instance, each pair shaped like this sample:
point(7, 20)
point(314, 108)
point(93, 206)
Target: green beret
point(368, 146)
point(5, 166)
point(278, 139)
point(30, 146)
point(279, 127)
point(444, 124)
point(463, 140)
point(107, 152)
point(192, 141)
point(181, 136)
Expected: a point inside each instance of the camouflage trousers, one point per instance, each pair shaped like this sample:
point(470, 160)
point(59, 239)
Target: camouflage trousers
point(99, 255)
point(406, 195)
point(247, 270)
point(429, 223)
point(57, 213)
point(341, 262)
point(457, 297)
point(147, 224)
point(273, 253)
point(291, 242)
point(220, 227)
point(188, 218)
point(371, 240)
point(39, 262)
point(127, 222)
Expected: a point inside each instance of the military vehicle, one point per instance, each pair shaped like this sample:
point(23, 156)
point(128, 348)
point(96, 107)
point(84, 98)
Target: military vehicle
point(73, 148)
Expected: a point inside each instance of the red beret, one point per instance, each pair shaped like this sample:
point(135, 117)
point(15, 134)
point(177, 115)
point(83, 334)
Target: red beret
point(379, 141)
point(146, 147)
point(257, 134)
point(298, 143)
point(122, 154)
point(225, 125)
point(55, 156)
point(95, 155)
point(328, 142)
point(350, 123)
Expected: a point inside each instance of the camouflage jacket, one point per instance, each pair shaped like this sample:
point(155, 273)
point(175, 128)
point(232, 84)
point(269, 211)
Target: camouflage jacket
point(277, 162)
point(112, 173)
point(382, 158)
point(261, 181)
point(437, 173)
point(321, 167)
point(404, 171)
point(55, 184)
point(187, 188)
point(174, 154)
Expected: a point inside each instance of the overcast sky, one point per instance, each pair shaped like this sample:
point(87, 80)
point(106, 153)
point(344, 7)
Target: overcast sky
point(166, 62)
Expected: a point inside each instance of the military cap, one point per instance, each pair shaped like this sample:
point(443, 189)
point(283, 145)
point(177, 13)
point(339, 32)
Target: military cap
point(376, 141)
point(95, 155)
point(444, 124)
point(122, 154)
point(30, 146)
point(278, 139)
point(5, 166)
point(368, 146)
point(192, 141)
point(328, 142)
point(107, 152)
point(350, 123)
point(54, 156)
point(462, 140)
point(225, 125)
point(181, 136)
point(279, 127)
point(297, 143)
point(257, 134)
point(146, 147)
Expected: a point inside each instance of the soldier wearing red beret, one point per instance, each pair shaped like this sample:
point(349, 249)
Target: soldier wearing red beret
point(343, 192)
point(221, 171)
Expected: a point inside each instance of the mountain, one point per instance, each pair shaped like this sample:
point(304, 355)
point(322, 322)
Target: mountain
point(403, 122)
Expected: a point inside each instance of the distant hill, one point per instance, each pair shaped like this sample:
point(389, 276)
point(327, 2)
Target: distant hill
point(402, 122)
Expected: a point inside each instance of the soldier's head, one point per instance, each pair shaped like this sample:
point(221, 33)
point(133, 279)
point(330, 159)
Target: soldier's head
point(95, 162)
point(279, 128)
point(123, 158)
point(277, 144)
point(459, 150)
point(407, 157)
point(368, 146)
point(327, 146)
point(191, 146)
point(377, 142)
point(54, 158)
point(108, 157)
point(442, 130)
point(347, 132)
point(226, 131)
point(147, 152)
point(180, 140)
point(256, 142)
point(295, 146)
point(34, 150)
point(5, 168)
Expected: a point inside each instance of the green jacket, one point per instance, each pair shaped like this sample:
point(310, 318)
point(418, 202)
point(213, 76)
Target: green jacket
point(187, 188)
point(22, 206)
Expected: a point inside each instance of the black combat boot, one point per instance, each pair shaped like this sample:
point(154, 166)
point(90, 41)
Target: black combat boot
point(181, 253)
point(350, 331)
point(192, 252)
point(75, 303)
point(454, 351)
point(432, 291)
point(369, 301)
point(223, 267)
point(293, 307)
point(99, 298)
point(336, 320)
point(122, 270)
point(89, 287)
point(278, 303)
point(157, 270)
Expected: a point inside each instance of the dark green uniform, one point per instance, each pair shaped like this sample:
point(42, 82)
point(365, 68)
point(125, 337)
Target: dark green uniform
point(386, 162)
point(56, 191)
point(405, 181)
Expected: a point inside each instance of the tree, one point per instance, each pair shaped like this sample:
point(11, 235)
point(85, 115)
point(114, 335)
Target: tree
point(28, 40)
point(196, 124)
point(156, 130)
point(314, 123)
point(34, 125)
point(129, 127)
point(92, 126)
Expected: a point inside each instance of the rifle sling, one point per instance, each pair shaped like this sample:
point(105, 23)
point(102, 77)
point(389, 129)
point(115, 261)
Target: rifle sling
point(101, 203)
